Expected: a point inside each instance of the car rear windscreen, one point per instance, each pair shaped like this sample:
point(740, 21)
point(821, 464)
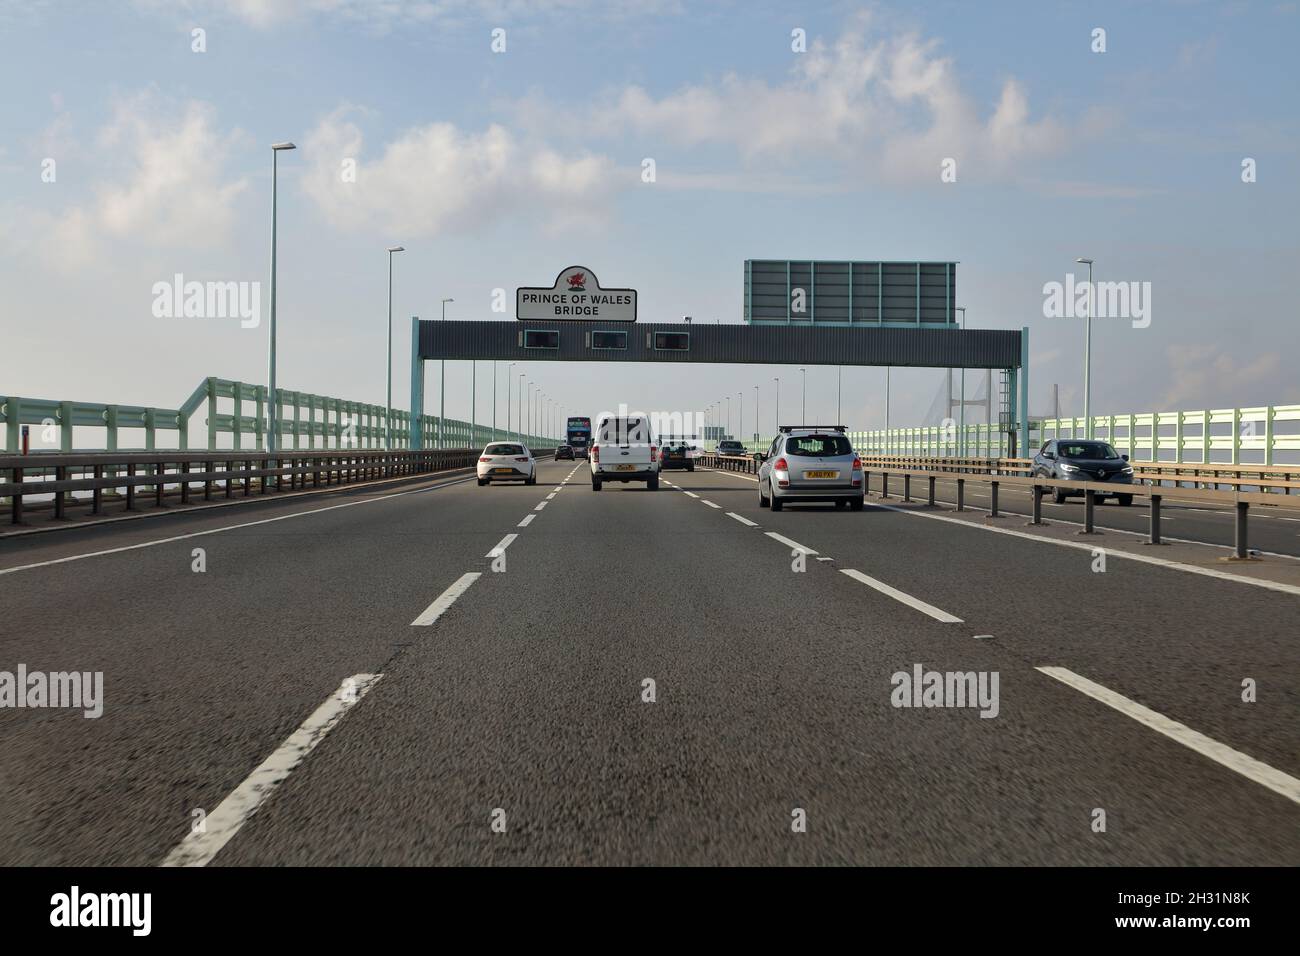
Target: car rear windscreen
point(504, 449)
point(818, 446)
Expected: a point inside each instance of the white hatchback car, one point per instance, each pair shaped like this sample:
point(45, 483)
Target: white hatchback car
point(507, 461)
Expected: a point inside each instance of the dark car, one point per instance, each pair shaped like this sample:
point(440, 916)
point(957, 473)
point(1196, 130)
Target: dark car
point(729, 446)
point(676, 456)
point(564, 451)
point(1070, 459)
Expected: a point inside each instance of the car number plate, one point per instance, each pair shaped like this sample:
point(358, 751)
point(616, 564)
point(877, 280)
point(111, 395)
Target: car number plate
point(502, 471)
point(821, 474)
point(626, 468)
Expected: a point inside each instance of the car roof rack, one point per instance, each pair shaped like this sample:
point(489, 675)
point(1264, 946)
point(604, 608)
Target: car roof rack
point(812, 428)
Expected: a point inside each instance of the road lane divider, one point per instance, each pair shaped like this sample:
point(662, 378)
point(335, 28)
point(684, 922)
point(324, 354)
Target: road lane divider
point(540, 506)
point(219, 826)
point(902, 596)
point(1244, 764)
point(742, 519)
point(501, 546)
point(446, 599)
point(691, 493)
point(792, 545)
point(710, 503)
point(528, 519)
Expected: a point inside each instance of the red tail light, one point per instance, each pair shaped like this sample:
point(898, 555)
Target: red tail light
point(857, 464)
point(595, 453)
point(781, 465)
point(485, 459)
point(653, 452)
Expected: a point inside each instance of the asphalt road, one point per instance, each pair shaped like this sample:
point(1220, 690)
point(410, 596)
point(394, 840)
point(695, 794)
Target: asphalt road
point(514, 729)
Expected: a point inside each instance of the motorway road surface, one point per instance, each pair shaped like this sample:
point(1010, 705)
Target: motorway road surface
point(520, 707)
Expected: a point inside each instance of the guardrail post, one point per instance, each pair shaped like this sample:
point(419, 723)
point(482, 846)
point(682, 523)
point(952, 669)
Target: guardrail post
point(210, 467)
point(229, 468)
point(1154, 530)
point(961, 494)
point(60, 474)
point(1037, 495)
point(993, 499)
point(130, 487)
point(907, 487)
point(18, 497)
point(185, 482)
point(884, 484)
point(97, 496)
point(930, 481)
point(1089, 511)
point(1243, 552)
point(159, 470)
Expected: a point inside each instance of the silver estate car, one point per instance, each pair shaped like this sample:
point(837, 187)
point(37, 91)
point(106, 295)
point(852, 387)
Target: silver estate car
point(810, 463)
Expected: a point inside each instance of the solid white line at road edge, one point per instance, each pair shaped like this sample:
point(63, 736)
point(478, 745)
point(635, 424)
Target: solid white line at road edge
point(1250, 768)
point(199, 847)
point(446, 599)
point(232, 527)
point(1127, 555)
point(897, 595)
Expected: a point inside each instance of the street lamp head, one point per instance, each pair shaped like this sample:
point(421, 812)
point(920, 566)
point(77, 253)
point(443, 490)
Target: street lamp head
point(1086, 262)
point(280, 146)
point(396, 248)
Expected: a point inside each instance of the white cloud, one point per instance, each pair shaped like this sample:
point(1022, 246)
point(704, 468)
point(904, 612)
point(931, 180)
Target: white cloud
point(1201, 370)
point(892, 106)
point(164, 184)
point(438, 178)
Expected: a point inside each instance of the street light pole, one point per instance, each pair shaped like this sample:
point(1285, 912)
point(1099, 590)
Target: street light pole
point(388, 409)
point(473, 401)
point(519, 428)
point(740, 416)
point(758, 422)
point(961, 413)
point(494, 399)
point(510, 393)
point(1087, 354)
point(442, 383)
point(273, 429)
point(804, 376)
point(778, 403)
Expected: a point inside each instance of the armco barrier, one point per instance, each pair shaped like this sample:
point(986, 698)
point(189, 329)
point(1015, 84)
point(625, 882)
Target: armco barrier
point(989, 474)
point(228, 473)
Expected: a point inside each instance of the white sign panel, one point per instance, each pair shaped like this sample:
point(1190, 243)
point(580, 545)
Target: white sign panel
point(575, 295)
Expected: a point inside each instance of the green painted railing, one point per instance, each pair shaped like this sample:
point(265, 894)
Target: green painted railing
point(1224, 435)
point(237, 410)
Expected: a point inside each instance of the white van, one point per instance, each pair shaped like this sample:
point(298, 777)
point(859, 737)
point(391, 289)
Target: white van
point(622, 449)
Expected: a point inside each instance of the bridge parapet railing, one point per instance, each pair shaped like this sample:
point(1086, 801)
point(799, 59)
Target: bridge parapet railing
point(227, 472)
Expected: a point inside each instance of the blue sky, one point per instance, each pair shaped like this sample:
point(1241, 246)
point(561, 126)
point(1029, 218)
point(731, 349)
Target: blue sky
point(498, 169)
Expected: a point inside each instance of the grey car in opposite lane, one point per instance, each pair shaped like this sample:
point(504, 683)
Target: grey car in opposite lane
point(1070, 459)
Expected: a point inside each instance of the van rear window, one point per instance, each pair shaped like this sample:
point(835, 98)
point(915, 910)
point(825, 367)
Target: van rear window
point(625, 431)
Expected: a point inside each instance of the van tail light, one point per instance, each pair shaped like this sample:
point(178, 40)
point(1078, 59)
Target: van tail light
point(654, 454)
point(595, 453)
